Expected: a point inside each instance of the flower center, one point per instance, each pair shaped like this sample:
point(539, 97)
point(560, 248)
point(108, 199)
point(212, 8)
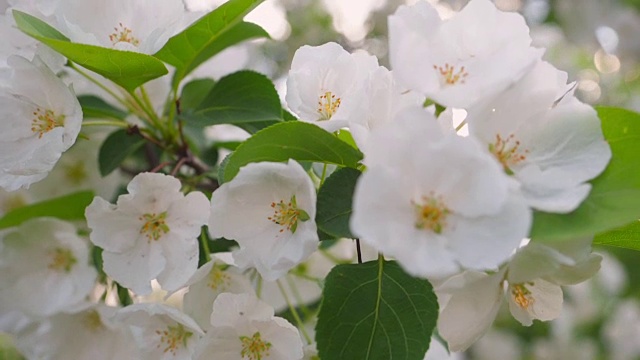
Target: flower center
point(450, 76)
point(62, 259)
point(328, 105)
point(45, 121)
point(218, 279)
point(431, 213)
point(155, 225)
point(287, 215)
point(123, 34)
point(254, 348)
point(508, 152)
point(92, 321)
point(522, 295)
point(173, 338)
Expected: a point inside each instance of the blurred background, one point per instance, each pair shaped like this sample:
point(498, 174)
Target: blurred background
point(596, 41)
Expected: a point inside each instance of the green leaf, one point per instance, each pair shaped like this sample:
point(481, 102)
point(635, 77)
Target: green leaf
point(375, 311)
point(115, 149)
point(239, 98)
point(614, 199)
point(292, 140)
point(125, 68)
point(95, 107)
point(334, 203)
point(194, 93)
point(214, 32)
point(627, 237)
point(68, 207)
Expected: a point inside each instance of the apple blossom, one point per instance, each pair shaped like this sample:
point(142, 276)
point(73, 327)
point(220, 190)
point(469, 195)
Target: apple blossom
point(42, 120)
point(269, 209)
point(456, 62)
point(150, 233)
point(141, 25)
point(435, 202)
point(211, 280)
point(326, 84)
point(161, 332)
point(551, 142)
point(243, 327)
point(85, 333)
point(382, 100)
point(530, 281)
point(44, 267)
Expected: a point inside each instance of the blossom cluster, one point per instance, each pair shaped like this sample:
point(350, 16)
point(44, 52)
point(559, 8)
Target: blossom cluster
point(450, 199)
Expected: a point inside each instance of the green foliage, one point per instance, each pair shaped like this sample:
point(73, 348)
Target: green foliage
point(95, 107)
point(291, 140)
point(614, 200)
point(214, 32)
point(194, 93)
point(242, 97)
point(375, 311)
point(334, 203)
point(125, 68)
point(625, 237)
point(68, 207)
point(116, 148)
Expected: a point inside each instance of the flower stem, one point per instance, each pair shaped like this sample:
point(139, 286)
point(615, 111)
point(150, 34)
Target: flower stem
point(99, 84)
point(294, 312)
point(324, 174)
point(205, 247)
point(121, 124)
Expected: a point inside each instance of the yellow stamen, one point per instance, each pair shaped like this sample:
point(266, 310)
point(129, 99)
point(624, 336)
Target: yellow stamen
point(45, 121)
point(449, 74)
point(123, 34)
point(218, 279)
point(155, 225)
point(522, 296)
point(254, 348)
point(92, 321)
point(431, 213)
point(288, 214)
point(173, 338)
point(62, 259)
point(508, 152)
point(328, 105)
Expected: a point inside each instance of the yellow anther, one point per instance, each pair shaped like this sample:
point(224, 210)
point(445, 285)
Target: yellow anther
point(328, 105)
point(45, 121)
point(508, 152)
point(431, 213)
point(155, 225)
point(449, 74)
point(62, 259)
point(173, 338)
point(254, 348)
point(123, 34)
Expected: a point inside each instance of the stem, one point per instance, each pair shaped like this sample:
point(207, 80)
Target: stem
point(324, 174)
point(461, 125)
point(153, 117)
point(159, 167)
point(294, 312)
point(205, 247)
point(99, 84)
point(179, 164)
point(121, 124)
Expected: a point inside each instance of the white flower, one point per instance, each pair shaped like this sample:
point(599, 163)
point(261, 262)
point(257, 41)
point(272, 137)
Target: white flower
point(269, 209)
point(530, 281)
point(243, 327)
point(326, 84)
point(435, 202)
point(151, 233)
point(383, 99)
point(211, 280)
point(88, 333)
point(141, 25)
point(41, 119)
point(161, 331)
point(456, 62)
point(44, 267)
point(551, 146)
